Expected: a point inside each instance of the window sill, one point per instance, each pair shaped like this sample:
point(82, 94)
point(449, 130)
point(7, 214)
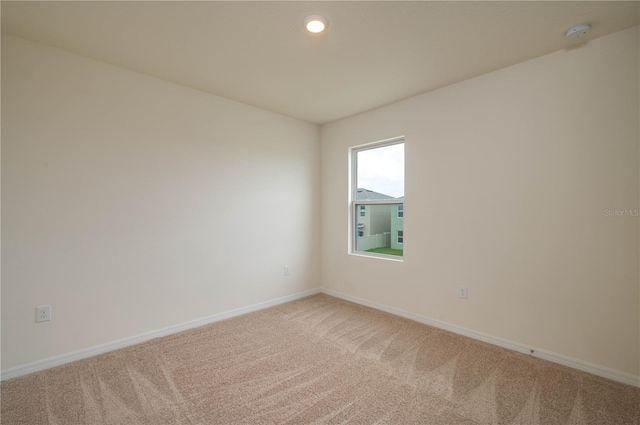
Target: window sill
point(393, 258)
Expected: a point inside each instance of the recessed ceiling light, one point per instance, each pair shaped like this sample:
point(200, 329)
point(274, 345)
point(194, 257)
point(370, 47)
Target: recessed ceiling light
point(315, 23)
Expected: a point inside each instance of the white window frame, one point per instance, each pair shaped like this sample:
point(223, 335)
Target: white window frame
point(400, 211)
point(354, 203)
point(398, 236)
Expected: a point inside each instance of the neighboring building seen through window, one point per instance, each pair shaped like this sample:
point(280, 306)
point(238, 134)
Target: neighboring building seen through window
point(378, 199)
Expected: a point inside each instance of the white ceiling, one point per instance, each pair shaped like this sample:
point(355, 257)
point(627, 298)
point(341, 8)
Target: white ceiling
point(372, 54)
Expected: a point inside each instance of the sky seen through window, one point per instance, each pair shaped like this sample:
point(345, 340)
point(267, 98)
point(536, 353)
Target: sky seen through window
point(382, 170)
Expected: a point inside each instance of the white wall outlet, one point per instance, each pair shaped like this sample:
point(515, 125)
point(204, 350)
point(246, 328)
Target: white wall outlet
point(43, 313)
point(463, 293)
point(286, 270)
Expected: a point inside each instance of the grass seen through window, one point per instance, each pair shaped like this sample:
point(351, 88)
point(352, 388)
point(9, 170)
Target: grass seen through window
point(388, 251)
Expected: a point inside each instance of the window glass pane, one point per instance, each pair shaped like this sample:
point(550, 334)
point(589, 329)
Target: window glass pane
point(379, 229)
point(378, 199)
point(380, 172)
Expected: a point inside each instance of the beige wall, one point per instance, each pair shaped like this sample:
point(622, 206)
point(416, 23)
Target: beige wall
point(508, 177)
point(131, 204)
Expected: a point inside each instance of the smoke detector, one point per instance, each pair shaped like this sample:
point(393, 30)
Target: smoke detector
point(578, 31)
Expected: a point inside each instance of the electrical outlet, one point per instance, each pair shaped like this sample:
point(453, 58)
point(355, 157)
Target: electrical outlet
point(462, 292)
point(43, 313)
point(286, 270)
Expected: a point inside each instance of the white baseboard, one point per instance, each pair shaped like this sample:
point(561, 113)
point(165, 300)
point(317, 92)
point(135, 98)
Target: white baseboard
point(605, 372)
point(50, 362)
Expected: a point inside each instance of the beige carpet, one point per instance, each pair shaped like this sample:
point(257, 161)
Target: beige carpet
point(318, 360)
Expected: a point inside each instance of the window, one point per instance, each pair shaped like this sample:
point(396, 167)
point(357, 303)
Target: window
point(377, 199)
